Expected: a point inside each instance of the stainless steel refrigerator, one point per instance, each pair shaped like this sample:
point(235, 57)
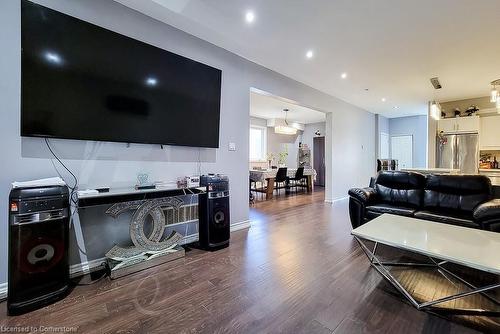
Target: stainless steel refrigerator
point(458, 151)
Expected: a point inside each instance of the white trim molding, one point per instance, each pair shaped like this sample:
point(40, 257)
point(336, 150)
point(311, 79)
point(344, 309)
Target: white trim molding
point(333, 201)
point(3, 291)
point(240, 225)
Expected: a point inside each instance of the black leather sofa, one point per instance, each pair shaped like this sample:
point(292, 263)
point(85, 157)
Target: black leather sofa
point(464, 200)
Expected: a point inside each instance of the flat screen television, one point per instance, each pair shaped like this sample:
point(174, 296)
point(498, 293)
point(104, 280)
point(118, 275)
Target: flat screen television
point(81, 81)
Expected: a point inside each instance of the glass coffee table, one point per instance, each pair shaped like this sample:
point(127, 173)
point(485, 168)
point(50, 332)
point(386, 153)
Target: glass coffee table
point(440, 244)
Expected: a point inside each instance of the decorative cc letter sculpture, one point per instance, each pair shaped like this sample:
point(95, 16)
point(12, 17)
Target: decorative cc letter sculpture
point(148, 250)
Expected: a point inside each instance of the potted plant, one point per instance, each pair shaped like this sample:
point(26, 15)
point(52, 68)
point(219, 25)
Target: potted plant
point(282, 158)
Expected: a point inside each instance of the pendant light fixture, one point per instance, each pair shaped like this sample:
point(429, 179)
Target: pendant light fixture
point(285, 129)
point(495, 95)
point(494, 91)
point(435, 110)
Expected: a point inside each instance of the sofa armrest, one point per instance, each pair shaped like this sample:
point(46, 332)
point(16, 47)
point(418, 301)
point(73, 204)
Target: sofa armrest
point(487, 211)
point(487, 215)
point(364, 195)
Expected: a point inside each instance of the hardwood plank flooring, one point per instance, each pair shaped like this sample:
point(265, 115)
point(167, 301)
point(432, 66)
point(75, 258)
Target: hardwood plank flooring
point(296, 270)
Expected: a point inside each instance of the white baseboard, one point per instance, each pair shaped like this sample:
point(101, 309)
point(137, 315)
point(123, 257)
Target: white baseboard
point(87, 267)
point(240, 225)
point(3, 291)
point(335, 200)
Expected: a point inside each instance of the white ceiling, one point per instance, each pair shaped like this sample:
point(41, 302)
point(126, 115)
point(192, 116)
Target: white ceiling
point(391, 47)
point(269, 107)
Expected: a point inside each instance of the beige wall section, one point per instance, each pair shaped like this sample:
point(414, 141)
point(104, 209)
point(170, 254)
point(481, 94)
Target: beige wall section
point(480, 102)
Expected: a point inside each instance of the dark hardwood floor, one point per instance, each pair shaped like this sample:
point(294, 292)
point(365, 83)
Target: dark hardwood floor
point(296, 270)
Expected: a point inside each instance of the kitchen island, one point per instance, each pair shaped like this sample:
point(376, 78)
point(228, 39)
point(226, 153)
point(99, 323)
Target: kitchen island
point(425, 171)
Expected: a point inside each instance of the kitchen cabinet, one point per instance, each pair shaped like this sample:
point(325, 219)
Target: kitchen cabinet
point(459, 124)
point(489, 136)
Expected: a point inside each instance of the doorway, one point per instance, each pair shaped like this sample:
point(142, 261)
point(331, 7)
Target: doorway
point(319, 160)
point(283, 139)
point(402, 151)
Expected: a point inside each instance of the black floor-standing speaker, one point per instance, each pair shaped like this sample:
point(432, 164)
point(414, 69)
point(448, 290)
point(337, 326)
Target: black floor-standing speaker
point(213, 215)
point(38, 247)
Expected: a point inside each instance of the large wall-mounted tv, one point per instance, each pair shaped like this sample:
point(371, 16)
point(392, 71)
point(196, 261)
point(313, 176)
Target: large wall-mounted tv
point(81, 81)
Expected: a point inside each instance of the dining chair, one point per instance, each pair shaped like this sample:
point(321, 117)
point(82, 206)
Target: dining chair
point(281, 179)
point(255, 188)
point(298, 179)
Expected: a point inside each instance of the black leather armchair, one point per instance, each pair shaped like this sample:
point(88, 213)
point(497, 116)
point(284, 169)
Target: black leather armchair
point(463, 200)
point(359, 199)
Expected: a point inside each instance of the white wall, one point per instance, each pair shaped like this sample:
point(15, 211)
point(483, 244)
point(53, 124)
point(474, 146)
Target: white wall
point(351, 128)
point(352, 161)
point(381, 126)
point(415, 126)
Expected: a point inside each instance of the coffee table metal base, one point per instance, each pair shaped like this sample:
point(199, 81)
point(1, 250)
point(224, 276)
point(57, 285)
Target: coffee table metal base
point(382, 267)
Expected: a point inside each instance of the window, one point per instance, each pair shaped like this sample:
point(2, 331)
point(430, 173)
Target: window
point(258, 143)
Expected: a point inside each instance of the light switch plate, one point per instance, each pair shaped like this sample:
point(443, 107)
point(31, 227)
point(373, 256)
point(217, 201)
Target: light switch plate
point(232, 146)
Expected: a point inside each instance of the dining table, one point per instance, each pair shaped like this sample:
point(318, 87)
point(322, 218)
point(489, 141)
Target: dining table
point(267, 177)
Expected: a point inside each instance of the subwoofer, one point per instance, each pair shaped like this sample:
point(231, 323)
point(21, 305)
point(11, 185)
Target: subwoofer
point(38, 247)
point(214, 218)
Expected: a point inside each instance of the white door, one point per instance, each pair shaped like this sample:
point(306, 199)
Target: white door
point(402, 150)
point(384, 146)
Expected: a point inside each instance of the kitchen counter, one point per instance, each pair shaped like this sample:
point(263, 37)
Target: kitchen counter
point(432, 170)
point(493, 174)
point(489, 170)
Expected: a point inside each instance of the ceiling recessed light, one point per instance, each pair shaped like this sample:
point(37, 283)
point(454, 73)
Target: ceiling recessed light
point(250, 16)
point(151, 81)
point(396, 107)
point(383, 99)
point(309, 54)
point(343, 75)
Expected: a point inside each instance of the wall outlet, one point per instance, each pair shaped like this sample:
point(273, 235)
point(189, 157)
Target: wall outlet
point(232, 146)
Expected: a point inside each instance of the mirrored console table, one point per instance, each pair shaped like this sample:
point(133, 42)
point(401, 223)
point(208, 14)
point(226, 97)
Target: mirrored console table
point(151, 213)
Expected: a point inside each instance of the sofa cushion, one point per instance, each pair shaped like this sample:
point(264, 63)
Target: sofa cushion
point(448, 217)
point(377, 210)
point(456, 192)
point(400, 188)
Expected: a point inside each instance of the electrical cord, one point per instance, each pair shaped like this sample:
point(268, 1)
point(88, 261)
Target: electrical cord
point(74, 200)
point(62, 164)
point(75, 179)
point(73, 197)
